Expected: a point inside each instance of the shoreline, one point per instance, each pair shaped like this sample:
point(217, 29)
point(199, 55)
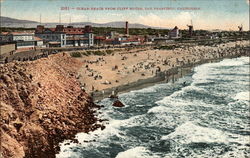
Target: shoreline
point(122, 71)
point(170, 75)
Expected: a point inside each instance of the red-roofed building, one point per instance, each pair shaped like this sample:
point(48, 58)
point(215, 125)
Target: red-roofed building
point(99, 40)
point(67, 36)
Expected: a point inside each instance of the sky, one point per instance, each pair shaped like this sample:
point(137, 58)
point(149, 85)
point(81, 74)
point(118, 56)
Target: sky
point(205, 14)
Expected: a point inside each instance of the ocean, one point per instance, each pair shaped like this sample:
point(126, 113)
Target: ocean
point(204, 114)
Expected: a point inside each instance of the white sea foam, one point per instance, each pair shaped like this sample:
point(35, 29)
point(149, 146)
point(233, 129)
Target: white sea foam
point(137, 152)
point(243, 96)
point(190, 133)
point(145, 90)
point(174, 100)
point(95, 138)
point(65, 149)
point(139, 105)
point(158, 109)
point(205, 72)
point(232, 62)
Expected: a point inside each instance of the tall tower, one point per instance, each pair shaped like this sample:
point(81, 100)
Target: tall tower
point(190, 29)
point(59, 18)
point(40, 19)
point(126, 28)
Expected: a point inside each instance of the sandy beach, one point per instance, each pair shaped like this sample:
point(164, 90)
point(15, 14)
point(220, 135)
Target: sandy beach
point(123, 67)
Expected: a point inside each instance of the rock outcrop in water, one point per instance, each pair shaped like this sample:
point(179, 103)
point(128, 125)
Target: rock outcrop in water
point(41, 105)
point(118, 103)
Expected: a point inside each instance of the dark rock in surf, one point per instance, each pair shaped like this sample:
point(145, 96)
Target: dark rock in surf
point(117, 103)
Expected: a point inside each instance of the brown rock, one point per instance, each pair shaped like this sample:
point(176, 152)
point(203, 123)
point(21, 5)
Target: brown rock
point(41, 104)
point(118, 103)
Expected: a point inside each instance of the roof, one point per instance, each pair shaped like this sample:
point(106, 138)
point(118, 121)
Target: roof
point(175, 28)
point(73, 31)
point(17, 33)
point(76, 38)
point(37, 39)
point(4, 33)
point(100, 37)
point(51, 29)
point(54, 43)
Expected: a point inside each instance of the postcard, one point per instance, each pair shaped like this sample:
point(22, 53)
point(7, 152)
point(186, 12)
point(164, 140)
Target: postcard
point(124, 78)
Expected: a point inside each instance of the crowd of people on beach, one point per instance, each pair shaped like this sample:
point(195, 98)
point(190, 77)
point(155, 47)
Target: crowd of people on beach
point(148, 63)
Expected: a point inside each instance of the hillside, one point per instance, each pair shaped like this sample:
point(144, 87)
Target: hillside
point(42, 104)
point(11, 22)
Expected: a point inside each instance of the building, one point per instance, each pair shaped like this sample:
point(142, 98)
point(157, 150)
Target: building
point(174, 33)
point(66, 36)
point(52, 37)
point(99, 40)
point(39, 42)
point(161, 39)
point(21, 39)
point(124, 41)
point(79, 36)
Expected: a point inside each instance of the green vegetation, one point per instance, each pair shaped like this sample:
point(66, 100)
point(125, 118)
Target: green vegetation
point(97, 52)
point(76, 54)
point(132, 31)
point(109, 51)
point(12, 29)
point(167, 47)
point(100, 53)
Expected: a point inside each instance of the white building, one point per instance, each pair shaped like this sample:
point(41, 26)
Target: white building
point(174, 33)
point(66, 36)
point(22, 39)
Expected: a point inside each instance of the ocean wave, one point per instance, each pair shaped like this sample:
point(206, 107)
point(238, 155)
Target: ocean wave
point(232, 62)
point(205, 72)
point(136, 152)
point(243, 96)
point(145, 90)
point(190, 133)
point(158, 109)
point(196, 103)
point(174, 100)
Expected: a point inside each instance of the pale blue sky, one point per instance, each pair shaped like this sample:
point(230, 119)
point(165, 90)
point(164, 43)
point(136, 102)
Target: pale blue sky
point(213, 14)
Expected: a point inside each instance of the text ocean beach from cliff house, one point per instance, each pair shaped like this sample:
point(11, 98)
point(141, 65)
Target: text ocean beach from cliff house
point(124, 79)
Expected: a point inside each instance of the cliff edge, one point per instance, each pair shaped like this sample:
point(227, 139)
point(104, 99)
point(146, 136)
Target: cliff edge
point(42, 104)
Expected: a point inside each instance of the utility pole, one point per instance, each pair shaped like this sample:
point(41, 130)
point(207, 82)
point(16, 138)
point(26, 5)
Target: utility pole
point(59, 18)
point(40, 19)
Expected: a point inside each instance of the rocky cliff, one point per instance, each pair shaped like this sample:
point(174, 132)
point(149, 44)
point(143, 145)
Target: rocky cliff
point(41, 105)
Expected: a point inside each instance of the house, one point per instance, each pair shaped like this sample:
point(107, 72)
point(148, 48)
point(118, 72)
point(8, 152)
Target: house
point(174, 33)
point(39, 41)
